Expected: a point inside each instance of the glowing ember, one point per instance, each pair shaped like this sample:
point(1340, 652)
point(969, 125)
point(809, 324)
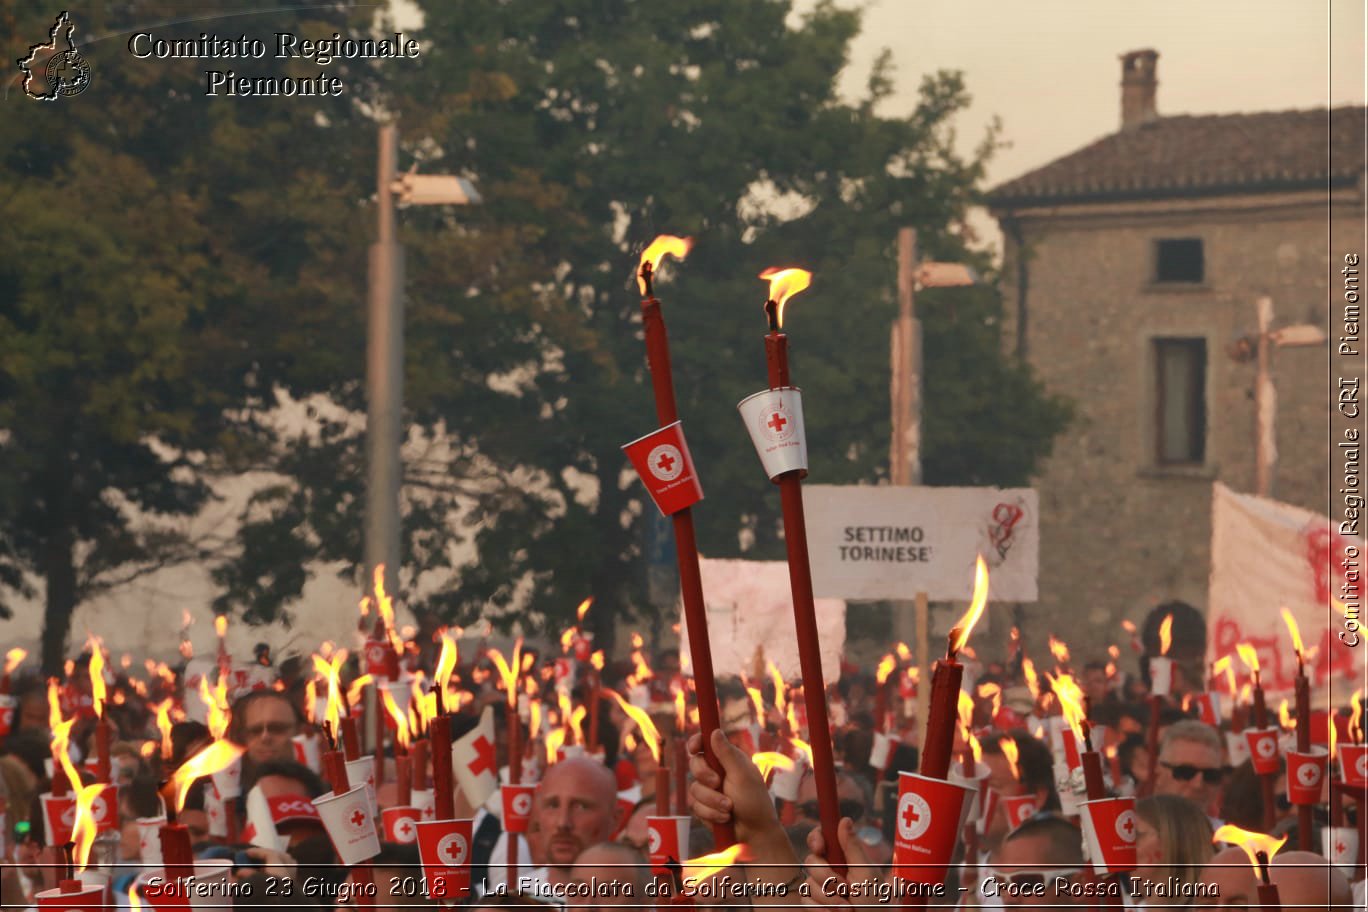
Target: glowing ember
point(1291, 623)
point(642, 720)
point(705, 866)
point(13, 658)
point(1114, 651)
point(1166, 634)
point(1252, 843)
point(664, 245)
point(784, 284)
point(583, 609)
point(217, 756)
point(768, 761)
point(959, 634)
point(1012, 754)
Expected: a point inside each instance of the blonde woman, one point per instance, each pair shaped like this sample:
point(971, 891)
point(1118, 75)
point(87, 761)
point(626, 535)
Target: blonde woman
point(1172, 843)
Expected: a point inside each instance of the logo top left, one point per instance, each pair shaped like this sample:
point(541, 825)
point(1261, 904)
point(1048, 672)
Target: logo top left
point(54, 69)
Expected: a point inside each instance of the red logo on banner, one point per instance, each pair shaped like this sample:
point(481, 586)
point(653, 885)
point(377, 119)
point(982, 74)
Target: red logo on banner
point(662, 461)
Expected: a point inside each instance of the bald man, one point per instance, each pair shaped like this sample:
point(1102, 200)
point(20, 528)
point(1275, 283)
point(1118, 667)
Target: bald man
point(1304, 880)
point(618, 875)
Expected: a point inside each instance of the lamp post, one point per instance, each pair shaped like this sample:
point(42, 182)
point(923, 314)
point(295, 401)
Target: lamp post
point(1262, 346)
point(906, 395)
point(385, 346)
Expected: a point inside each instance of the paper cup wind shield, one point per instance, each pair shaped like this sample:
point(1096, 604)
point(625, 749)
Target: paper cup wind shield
point(774, 420)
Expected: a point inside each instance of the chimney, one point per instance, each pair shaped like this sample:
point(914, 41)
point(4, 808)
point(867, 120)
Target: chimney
point(1138, 84)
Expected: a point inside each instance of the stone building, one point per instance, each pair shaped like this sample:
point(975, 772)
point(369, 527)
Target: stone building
point(1133, 267)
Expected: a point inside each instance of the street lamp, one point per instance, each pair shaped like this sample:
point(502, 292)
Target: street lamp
point(385, 346)
point(1261, 346)
point(904, 460)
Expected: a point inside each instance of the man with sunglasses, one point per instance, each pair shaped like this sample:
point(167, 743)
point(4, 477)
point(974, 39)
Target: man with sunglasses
point(1191, 764)
point(264, 722)
point(1033, 862)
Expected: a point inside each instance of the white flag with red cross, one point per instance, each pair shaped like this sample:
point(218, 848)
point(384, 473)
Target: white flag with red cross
point(476, 761)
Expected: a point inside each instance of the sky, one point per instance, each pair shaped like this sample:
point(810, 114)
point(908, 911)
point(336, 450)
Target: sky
point(1051, 69)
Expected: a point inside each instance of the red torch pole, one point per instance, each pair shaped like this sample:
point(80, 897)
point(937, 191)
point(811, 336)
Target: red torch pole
point(686, 546)
point(805, 614)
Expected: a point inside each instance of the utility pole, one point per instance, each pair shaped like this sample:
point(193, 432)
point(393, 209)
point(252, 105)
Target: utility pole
point(1265, 342)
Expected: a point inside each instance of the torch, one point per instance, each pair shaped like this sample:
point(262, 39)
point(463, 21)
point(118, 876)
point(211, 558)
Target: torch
point(1161, 684)
point(175, 837)
point(943, 710)
point(509, 672)
point(97, 696)
point(686, 547)
point(1305, 763)
point(1260, 848)
point(1263, 741)
point(774, 420)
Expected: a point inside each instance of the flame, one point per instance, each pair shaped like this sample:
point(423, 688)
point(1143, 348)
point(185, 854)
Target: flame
point(886, 666)
point(401, 726)
point(383, 602)
point(13, 658)
point(1249, 656)
point(597, 659)
point(792, 719)
point(990, 691)
point(163, 710)
point(332, 715)
point(554, 739)
point(1129, 627)
point(1334, 736)
point(1032, 679)
point(1114, 651)
point(1246, 693)
point(211, 759)
point(534, 718)
point(681, 717)
point(784, 284)
point(446, 664)
point(83, 827)
point(975, 748)
point(1059, 650)
point(310, 700)
point(1071, 698)
point(780, 688)
point(583, 609)
point(1012, 753)
point(1251, 842)
point(959, 635)
point(767, 761)
point(1291, 623)
point(1166, 634)
point(705, 866)
point(577, 723)
point(1356, 718)
point(758, 700)
point(216, 704)
point(966, 710)
point(641, 671)
point(61, 751)
point(147, 749)
point(805, 748)
point(354, 691)
point(221, 625)
point(509, 671)
point(566, 638)
point(97, 681)
point(54, 706)
point(1284, 716)
point(664, 245)
point(629, 742)
point(904, 653)
point(642, 720)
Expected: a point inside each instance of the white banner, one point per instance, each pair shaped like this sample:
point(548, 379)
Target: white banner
point(750, 614)
point(1267, 555)
point(888, 542)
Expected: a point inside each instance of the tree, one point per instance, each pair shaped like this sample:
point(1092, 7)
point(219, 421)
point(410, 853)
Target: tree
point(593, 126)
point(148, 238)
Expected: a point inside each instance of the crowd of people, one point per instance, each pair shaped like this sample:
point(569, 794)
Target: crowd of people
point(588, 841)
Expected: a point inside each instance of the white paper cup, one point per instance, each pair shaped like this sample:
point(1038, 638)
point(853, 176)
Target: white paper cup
point(307, 750)
point(214, 873)
point(422, 800)
point(361, 771)
point(882, 750)
point(1340, 845)
point(228, 780)
point(774, 420)
point(350, 825)
point(1237, 747)
point(149, 839)
point(1161, 676)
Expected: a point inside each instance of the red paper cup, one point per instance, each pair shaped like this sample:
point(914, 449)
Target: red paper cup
point(400, 823)
point(927, 826)
point(377, 652)
point(774, 420)
point(1161, 676)
point(1018, 809)
point(973, 806)
point(1354, 764)
point(1208, 708)
point(444, 847)
point(1305, 775)
point(347, 818)
point(59, 816)
point(1263, 749)
point(1341, 847)
point(668, 844)
point(7, 704)
point(663, 463)
point(517, 807)
point(73, 896)
point(1109, 828)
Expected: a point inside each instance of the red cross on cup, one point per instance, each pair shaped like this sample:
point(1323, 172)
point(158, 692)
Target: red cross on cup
point(357, 819)
point(777, 422)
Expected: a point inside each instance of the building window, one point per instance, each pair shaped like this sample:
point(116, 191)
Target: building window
point(1179, 260)
point(1180, 400)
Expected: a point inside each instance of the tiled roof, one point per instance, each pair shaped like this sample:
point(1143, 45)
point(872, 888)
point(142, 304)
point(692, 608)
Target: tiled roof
point(1189, 155)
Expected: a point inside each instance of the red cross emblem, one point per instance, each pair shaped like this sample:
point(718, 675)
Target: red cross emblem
point(452, 849)
point(404, 829)
point(914, 816)
point(357, 819)
point(1125, 826)
point(484, 757)
point(666, 463)
point(1340, 848)
point(777, 422)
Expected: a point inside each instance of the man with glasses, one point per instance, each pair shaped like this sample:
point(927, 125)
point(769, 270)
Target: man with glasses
point(1032, 863)
point(1190, 764)
point(264, 722)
